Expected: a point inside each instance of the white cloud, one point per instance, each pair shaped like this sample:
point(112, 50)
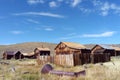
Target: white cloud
point(74, 35)
point(39, 14)
point(106, 8)
point(76, 2)
point(35, 1)
point(85, 10)
point(48, 29)
point(17, 32)
point(45, 28)
point(105, 34)
point(33, 21)
point(52, 4)
point(96, 2)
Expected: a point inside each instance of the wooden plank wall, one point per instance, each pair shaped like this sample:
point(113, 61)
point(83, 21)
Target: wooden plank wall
point(43, 59)
point(77, 59)
point(64, 60)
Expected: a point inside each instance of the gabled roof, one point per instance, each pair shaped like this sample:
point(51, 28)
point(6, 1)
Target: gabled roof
point(43, 49)
point(103, 46)
point(11, 52)
point(73, 45)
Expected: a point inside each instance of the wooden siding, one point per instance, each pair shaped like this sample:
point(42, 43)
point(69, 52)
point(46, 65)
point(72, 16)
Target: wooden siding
point(43, 59)
point(42, 55)
point(68, 56)
point(100, 54)
point(64, 60)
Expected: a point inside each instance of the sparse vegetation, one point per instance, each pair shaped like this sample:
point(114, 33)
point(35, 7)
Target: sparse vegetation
point(29, 70)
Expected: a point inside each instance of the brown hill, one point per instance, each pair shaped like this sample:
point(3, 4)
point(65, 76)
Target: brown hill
point(27, 47)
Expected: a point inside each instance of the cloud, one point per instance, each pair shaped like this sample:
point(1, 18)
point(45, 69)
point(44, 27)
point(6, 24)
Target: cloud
point(35, 1)
point(48, 29)
point(52, 4)
point(33, 21)
point(39, 14)
point(45, 28)
point(76, 2)
point(85, 10)
point(106, 8)
point(17, 32)
point(73, 36)
point(105, 34)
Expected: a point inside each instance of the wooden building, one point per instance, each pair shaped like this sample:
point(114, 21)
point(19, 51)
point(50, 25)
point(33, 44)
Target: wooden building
point(71, 54)
point(12, 54)
point(42, 55)
point(101, 53)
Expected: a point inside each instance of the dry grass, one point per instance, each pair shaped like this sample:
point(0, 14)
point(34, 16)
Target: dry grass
point(29, 70)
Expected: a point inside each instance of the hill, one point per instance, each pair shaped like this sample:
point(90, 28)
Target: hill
point(27, 47)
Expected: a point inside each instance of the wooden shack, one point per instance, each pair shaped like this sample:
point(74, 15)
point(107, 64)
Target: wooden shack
point(12, 54)
point(101, 53)
point(71, 54)
point(42, 55)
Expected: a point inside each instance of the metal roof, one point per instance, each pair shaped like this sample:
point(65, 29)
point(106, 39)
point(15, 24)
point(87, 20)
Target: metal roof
point(105, 46)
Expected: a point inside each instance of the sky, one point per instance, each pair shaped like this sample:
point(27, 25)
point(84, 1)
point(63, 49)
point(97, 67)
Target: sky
point(83, 21)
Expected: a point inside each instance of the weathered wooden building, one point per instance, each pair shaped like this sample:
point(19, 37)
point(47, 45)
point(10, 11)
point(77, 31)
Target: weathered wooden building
point(42, 55)
point(12, 54)
point(71, 54)
point(101, 53)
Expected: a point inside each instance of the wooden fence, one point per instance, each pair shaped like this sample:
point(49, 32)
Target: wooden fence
point(64, 60)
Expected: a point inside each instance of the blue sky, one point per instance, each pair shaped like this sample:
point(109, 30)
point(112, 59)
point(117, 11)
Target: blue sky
point(83, 21)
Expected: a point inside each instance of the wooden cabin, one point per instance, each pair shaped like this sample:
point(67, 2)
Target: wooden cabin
point(117, 50)
point(71, 54)
point(29, 55)
point(101, 53)
point(12, 54)
point(42, 55)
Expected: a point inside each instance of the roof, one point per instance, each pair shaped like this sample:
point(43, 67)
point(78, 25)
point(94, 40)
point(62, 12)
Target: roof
point(11, 52)
point(89, 46)
point(28, 54)
point(74, 45)
point(43, 49)
point(103, 46)
point(116, 48)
